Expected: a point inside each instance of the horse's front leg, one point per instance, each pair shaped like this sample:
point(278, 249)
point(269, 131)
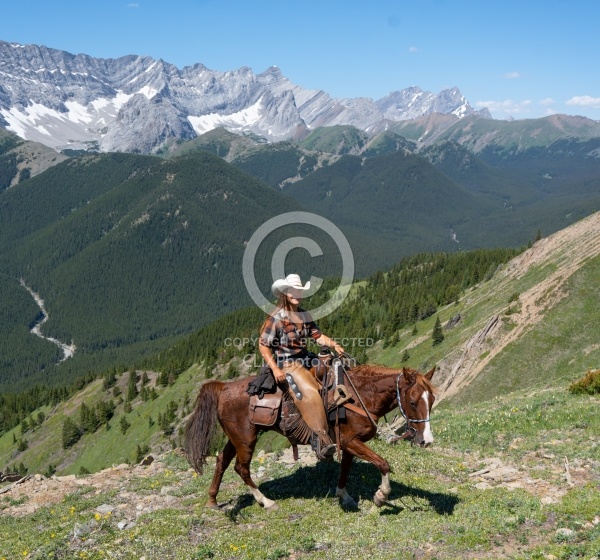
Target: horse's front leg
point(358, 449)
point(347, 500)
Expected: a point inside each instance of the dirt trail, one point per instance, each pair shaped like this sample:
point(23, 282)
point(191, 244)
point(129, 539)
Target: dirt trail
point(33, 492)
point(568, 250)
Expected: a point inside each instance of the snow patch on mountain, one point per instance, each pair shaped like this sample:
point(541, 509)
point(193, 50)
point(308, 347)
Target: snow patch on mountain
point(236, 122)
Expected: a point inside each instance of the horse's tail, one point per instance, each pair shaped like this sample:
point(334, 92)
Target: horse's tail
point(202, 424)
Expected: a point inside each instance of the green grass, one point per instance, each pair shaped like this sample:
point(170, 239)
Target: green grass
point(553, 419)
point(435, 509)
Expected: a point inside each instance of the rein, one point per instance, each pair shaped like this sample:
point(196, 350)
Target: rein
point(364, 407)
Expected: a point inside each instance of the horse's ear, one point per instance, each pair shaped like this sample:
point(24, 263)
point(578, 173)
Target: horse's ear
point(430, 373)
point(409, 375)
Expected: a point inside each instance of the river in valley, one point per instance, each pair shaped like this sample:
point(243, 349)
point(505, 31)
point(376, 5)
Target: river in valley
point(68, 350)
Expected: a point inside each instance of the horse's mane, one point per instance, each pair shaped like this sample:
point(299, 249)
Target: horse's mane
point(373, 370)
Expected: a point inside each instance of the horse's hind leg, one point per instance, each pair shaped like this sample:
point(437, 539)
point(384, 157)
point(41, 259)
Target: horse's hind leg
point(223, 461)
point(242, 467)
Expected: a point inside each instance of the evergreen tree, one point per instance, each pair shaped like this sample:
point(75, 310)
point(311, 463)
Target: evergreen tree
point(132, 386)
point(105, 411)
point(88, 420)
point(110, 378)
point(438, 335)
point(164, 424)
point(70, 433)
point(124, 425)
point(405, 356)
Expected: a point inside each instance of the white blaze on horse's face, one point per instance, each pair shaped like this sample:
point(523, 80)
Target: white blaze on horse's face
point(424, 437)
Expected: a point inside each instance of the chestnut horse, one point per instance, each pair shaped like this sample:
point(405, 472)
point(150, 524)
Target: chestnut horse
point(380, 389)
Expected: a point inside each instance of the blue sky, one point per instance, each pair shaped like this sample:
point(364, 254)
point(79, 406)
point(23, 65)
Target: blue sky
point(520, 58)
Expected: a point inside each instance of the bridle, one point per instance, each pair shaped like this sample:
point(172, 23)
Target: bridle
point(410, 431)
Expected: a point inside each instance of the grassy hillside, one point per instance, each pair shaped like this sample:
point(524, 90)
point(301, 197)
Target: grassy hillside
point(522, 507)
point(532, 326)
point(339, 140)
point(219, 142)
point(514, 471)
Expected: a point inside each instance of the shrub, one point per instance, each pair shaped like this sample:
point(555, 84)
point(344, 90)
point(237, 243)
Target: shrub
point(589, 384)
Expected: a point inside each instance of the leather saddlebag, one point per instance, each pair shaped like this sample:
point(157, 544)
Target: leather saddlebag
point(264, 412)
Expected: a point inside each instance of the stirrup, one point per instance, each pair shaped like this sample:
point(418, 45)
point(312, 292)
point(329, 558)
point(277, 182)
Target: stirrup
point(324, 452)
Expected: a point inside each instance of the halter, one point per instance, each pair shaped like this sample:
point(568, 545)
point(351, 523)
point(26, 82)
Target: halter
point(410, 431)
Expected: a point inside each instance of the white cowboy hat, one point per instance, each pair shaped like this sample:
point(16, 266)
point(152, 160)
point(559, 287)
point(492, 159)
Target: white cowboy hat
point(290, 282)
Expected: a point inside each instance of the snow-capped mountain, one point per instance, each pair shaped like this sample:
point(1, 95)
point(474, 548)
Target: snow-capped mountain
point(137, 104)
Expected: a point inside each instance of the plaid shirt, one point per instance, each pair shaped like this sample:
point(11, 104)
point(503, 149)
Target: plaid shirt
point(285, 338)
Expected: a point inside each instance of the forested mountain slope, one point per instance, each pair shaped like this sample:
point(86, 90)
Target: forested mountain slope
point(545, 181)
point(125, 250)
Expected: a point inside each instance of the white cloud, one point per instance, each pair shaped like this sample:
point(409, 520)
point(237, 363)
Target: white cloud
point(547, 102)
point(413, 49)
point(585, 101)
point(512, 75)
point(507, 108)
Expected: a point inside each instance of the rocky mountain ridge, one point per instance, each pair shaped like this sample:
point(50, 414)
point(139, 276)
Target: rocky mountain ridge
point(138, 104)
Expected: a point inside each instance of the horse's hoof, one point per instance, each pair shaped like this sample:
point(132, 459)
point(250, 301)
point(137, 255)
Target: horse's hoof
point(273, 507)
point(379, 499)
point(349, 504)
point(212, 505)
